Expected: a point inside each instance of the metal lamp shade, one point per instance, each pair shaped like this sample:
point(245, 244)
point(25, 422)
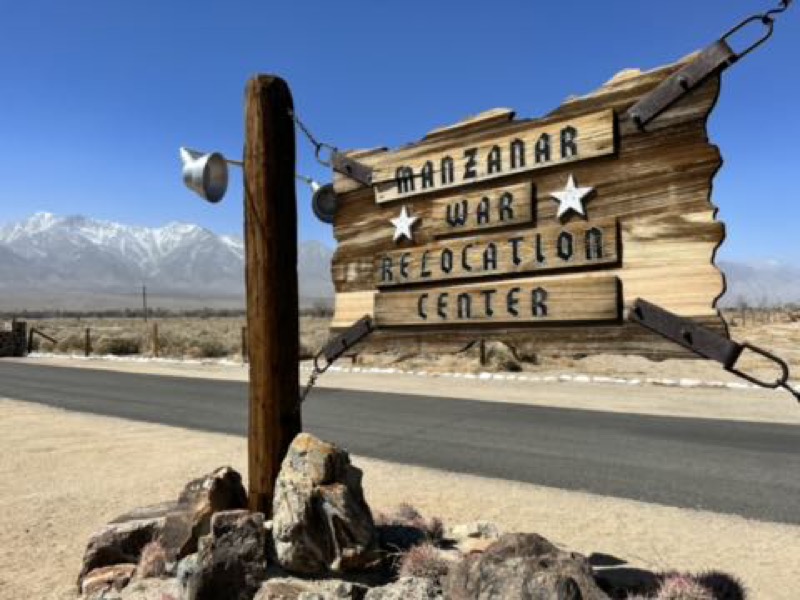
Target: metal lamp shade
point(323, 203)
point(205, 174)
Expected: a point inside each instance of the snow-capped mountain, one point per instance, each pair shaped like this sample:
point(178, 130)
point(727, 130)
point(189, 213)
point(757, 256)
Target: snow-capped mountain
point(52, 262)
point(77, 254)
point(760, 283)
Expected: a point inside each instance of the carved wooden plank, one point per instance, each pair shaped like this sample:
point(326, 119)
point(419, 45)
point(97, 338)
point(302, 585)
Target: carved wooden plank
point(467, 162)
point(578, 246)
point(483, 210)
point(524, 301)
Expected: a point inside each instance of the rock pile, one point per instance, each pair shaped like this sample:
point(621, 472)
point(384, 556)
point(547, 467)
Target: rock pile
point(324, 544)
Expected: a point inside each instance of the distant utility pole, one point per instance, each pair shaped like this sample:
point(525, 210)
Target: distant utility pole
point(144, 302)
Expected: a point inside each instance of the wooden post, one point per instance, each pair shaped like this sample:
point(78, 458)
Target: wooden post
point(144, 302)
point(244, 344)
point(483, 352)
point(87, 345)
point(271, 280)
point(155, 340)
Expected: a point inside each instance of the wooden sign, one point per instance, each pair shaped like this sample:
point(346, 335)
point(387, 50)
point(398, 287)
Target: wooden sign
point(463, 162)
point(540, 233)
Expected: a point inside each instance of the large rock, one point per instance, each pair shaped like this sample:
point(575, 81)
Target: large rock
point(522, 565)
point(104, 579)
point(321, 522)
point(407, 588)
point(231, 561)
point(146, 589)
point(187, 575)
point(122, 540)
point(290, 588)
point(190, 518)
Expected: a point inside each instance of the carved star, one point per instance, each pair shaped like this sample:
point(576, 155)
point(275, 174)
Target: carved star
point(403, 224)
point(571, 198)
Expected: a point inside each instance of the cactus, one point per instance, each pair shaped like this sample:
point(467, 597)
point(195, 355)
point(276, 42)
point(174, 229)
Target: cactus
point(423, 561)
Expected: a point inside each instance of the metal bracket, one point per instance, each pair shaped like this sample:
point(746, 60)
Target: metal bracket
point(343, 342)
point(688, 334)
point(715, 58)
point(705, 342)
point(351, 168)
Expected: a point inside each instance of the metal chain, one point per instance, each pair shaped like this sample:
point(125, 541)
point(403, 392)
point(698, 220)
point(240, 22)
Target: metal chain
point(767, 19)
point(335, 348)
point(312, 381)
point(315, 373)
point(782, 7)
point(791, 390)
point(319, 147)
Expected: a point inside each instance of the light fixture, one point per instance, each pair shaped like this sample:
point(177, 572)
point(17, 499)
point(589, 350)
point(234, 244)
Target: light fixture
point(323, 200)
point(206, 174)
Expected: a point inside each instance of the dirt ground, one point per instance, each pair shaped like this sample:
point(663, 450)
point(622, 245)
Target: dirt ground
point(66, 474)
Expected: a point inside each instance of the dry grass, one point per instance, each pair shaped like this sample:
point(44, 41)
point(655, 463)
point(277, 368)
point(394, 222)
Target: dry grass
point(780, 336)
point(220, 337)
point(424, 560)
point(404, 527)
point(777, 334)
point(178, 337)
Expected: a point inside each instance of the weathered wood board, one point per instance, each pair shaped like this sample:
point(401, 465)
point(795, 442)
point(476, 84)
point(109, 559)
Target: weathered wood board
point(647, 192)
point(484, 210)
point(519, 301)
point(460, 162)
point(574, 246)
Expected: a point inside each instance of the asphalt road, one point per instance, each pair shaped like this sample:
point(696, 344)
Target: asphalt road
point(749, 469)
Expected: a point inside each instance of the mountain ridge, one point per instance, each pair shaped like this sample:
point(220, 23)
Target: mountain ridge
point(76, 262)
point(89, 258)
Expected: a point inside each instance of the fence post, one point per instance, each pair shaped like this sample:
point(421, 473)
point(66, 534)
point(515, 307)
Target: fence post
point(155, 340)
point(87, 346)
point(271, 277)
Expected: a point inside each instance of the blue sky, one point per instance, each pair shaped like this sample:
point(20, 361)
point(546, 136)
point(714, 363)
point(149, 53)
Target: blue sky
point(97, 96)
